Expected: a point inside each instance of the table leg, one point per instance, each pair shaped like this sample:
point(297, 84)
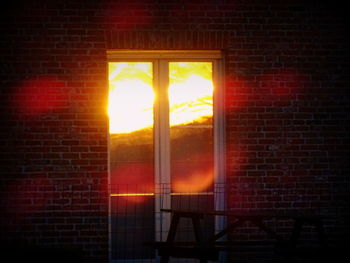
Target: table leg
point(197, 229)
point(198, 235)
point(228, 229)
point(173, 227)
point(171, 235)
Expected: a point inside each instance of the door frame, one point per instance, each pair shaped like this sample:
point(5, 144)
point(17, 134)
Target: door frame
point(159, 58)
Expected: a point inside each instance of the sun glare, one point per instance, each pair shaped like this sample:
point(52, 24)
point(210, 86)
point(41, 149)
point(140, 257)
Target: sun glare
point(131, 95)
point(190, 100)
point(194, 183)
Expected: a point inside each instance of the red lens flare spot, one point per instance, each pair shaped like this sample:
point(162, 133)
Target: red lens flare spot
point(135, 182)
point(123, 17)
point(39, 96)
point(281, 85)
point(239, 92)
point(194, 183)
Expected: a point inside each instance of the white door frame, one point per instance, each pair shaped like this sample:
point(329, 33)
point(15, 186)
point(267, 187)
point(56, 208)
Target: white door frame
point(160, 60)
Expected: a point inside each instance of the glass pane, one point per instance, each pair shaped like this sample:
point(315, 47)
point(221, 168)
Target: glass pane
point(191, 126)
point(131, 96)
point(130, 110)
point(192, 202)
point(191, 142)
point(132, 226)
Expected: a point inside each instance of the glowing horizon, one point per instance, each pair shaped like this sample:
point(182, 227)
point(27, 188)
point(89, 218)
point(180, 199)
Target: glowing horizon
point(131, 94)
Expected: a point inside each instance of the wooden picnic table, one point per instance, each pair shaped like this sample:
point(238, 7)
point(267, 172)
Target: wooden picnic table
point(209, 249)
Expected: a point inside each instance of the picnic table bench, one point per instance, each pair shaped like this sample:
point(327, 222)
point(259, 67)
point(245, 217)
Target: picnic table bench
point(209, 248)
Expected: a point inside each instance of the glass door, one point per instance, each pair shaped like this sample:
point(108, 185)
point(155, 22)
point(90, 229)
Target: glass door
point(163, 148)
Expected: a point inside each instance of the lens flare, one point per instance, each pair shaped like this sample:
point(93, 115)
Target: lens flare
point(39, 96)
point(193, 183)
point(131, 96)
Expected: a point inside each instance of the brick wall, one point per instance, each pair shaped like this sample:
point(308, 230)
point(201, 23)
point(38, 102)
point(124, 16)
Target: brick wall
point(286, 101)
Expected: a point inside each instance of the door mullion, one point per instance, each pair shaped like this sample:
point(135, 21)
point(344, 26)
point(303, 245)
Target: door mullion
point(163, 150)
point(164, 123)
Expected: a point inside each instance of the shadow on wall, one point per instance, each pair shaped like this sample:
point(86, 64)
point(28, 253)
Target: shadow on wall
point(18, 252)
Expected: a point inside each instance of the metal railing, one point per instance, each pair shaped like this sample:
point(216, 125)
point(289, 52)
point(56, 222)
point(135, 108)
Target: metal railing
point(136, 217)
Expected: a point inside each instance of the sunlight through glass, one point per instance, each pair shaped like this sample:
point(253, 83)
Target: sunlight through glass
point(190, 92)
point(191, 126)
point(131, 96)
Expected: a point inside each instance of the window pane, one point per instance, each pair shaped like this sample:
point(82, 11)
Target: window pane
point(191, 142)
point(130, 110)
point(191, 121)
point(132, 225)
point(131, 96)
point(192, 202)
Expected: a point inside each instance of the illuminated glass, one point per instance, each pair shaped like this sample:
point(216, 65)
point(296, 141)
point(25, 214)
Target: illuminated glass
point(130, 110)
point(131, 96)
point(190, 92)
point(191, 141)
point(191, 120)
